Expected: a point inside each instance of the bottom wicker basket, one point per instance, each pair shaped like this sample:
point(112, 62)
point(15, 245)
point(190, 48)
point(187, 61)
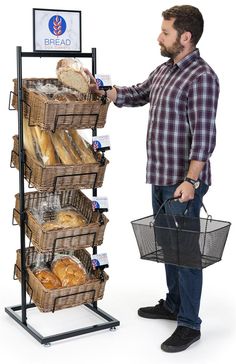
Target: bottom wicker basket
point(55, 299)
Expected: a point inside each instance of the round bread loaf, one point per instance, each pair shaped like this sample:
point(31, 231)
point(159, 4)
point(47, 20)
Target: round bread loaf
point(71, 73)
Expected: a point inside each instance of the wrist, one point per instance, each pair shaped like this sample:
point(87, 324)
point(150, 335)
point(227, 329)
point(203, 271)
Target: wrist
point(194, 182)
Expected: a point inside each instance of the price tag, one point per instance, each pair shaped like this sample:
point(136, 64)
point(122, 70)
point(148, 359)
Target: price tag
point(103, 81)
point(100, 203)
point(99, 260)
point(101, 142)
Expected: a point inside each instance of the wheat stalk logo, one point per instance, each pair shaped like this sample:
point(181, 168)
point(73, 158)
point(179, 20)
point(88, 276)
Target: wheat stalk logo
point(57, 25)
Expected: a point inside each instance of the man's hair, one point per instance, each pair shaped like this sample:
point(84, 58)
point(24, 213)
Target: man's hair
point(187, 19)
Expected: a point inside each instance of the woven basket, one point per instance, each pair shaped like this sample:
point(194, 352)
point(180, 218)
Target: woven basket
point(51, 300)
point(50, 114)
point(68, 238)
point(59, 177)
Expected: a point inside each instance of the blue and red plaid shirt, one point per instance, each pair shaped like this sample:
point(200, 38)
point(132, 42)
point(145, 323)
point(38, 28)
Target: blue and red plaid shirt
point(183, 101)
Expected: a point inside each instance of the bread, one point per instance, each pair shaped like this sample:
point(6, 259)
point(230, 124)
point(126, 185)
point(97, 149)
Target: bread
point(69, 272)
point(44, 146)
point(70, 218)
point(67, 142)
point(65, 219)
point(71, 73)
point(51, 225)
point(48, 279)
point(28, 138)
point(64, 155)
point(82, 146)
point(64, 97)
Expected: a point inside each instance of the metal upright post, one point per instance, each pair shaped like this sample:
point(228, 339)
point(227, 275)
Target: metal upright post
point(21, 183)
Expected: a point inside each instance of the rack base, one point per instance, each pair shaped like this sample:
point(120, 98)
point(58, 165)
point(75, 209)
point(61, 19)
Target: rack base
point(110, 324)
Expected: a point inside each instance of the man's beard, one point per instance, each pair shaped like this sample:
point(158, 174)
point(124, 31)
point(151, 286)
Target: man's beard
point(172, 51)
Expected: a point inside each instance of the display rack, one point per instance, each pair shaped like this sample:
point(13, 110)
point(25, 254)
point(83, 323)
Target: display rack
point(19, 312)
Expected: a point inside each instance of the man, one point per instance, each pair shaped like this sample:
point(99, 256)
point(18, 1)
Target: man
point(183, 94)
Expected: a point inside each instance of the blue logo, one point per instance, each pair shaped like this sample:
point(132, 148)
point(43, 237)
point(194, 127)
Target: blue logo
point(99, 82)
point(57, 25)
point(95, 205)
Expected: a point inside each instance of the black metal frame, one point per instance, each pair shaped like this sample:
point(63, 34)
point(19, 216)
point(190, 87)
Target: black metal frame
point(12, 311)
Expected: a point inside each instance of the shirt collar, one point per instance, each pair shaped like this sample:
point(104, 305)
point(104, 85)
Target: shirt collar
point(183, 63)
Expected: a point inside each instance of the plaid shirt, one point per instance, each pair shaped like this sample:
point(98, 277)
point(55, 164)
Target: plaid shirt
point(183, 102)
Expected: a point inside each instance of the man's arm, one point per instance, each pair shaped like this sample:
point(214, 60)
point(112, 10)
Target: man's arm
point(137, 95)
point(202, 106)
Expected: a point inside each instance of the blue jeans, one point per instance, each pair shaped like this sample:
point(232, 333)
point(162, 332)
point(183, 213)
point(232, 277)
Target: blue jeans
point(184, 284)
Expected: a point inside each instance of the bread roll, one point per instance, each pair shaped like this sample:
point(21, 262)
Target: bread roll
point(82, 146)
point(69, 272)
point(48, 279)
point(71, 73)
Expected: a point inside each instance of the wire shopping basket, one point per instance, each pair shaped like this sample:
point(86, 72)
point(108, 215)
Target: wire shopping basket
point(181, 240)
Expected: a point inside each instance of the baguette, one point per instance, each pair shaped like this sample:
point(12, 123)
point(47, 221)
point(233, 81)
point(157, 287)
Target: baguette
point(66, 139)
point(62, 152)
point(44, 146)
point(82, 146)
point(28, 138)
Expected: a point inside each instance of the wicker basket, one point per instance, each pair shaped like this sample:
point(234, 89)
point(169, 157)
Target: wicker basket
point(51, 300)
point(68, 238)
point(59, 177)
point(50, 114)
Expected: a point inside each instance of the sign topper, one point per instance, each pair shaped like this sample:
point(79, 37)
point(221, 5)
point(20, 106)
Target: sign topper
point(56, 30)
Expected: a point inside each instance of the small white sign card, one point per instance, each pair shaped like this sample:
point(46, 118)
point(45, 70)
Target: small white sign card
point(99, 203)
point(101, 142)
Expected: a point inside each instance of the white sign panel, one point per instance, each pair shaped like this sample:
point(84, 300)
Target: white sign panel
point(56, 30)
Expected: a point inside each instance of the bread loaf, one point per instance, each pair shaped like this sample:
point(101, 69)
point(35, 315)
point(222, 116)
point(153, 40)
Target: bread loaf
point(44, 146)
point(67, 142)
point(28, 138)
point(70, 218)
point(64, 97)
point(62, 152)
point(48, 279)
point(71, 73)
point(65, 219)
point(69, 271)
point(82, 146)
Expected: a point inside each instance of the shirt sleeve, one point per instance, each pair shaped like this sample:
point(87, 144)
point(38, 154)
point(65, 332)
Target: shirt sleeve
point(202, 107)
point(133, 96)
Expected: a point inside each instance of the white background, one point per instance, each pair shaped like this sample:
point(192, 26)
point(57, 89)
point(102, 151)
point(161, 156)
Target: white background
point(124, 34)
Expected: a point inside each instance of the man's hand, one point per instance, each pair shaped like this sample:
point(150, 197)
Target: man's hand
point(186, 191)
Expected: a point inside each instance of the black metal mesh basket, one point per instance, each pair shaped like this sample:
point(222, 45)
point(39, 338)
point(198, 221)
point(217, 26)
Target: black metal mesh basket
point(181, 240)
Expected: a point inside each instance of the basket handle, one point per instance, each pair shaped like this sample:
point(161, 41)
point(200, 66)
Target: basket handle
point(163, 204)
point(209, 217)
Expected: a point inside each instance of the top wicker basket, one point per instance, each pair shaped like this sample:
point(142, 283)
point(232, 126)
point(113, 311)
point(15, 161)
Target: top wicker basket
point(50, 114)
